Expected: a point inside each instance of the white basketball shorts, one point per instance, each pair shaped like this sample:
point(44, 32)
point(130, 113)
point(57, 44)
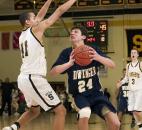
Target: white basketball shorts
point(37, 91)
point(135, 100)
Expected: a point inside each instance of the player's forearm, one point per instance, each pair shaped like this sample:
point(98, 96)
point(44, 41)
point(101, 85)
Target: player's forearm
point(59, 69)
point(124, 80)
point(56, 15)
point(63, 8)
point(42, 12)
point(106, 61)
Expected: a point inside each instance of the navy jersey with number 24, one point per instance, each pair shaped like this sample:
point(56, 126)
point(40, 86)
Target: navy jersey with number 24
point(81, 79)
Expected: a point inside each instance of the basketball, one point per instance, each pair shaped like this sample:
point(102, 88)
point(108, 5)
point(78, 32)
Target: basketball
point(81, 55)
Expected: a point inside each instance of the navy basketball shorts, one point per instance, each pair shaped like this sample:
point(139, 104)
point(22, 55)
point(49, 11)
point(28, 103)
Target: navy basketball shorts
point(96, 101)
point(122, 105)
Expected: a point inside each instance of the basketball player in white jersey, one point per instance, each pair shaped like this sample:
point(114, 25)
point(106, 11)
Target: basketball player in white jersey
point(134, 78)
point(31, 81)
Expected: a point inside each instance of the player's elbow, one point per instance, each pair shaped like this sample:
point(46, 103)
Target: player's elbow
point(52, 72)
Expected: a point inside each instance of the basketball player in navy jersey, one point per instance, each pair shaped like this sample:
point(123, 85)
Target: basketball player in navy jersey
point(122, 98)
point(134, 78)
point(84, 84)
point(31, 81)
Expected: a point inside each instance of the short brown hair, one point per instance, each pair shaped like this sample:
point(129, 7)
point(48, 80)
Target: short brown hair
point(81, 28)
point(23, 17)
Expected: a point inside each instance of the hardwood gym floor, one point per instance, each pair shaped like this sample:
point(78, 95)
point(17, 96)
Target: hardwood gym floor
point(43, 122)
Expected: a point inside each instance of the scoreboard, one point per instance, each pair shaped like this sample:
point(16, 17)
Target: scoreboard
point(112, 2)
point(134, 1)
point(37, 4)
point(97, 32)
point(88, 2)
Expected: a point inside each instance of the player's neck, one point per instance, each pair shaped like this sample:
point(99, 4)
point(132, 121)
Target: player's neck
point(134, 60)
point(77, 44)
point(26, 26)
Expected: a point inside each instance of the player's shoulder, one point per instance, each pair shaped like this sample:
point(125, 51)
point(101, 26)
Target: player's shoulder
point(128, 64)
point(99, 51)
point(140, 65)
point(67, 50)
point(96, 48)
point(26, 29)
point(140, 62)
point(24, 32)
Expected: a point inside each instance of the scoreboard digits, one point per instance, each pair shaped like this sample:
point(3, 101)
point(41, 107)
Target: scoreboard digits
point(97, 33)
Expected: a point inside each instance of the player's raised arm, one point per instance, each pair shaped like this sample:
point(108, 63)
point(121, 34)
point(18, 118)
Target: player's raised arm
point(58, 12)
point(42, 12)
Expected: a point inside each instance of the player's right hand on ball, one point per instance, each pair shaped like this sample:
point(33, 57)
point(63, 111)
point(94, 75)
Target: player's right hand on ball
point(93, 54)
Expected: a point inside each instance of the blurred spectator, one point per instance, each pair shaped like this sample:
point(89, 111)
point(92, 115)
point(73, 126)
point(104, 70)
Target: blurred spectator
point(6, 88)
point(122, 99)
point(15, 99)
point(21, 102)
point(62, 96)
point(0, 92)
point(106, 93)
point(69, 100)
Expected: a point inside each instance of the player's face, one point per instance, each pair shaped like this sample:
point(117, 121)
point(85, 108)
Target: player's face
point(76, 36)
point(31, 21)
point(134, 54)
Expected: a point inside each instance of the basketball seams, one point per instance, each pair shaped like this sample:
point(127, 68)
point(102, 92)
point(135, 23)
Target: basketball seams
point(81, 55)
point(82, 51)
point(80, 63)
